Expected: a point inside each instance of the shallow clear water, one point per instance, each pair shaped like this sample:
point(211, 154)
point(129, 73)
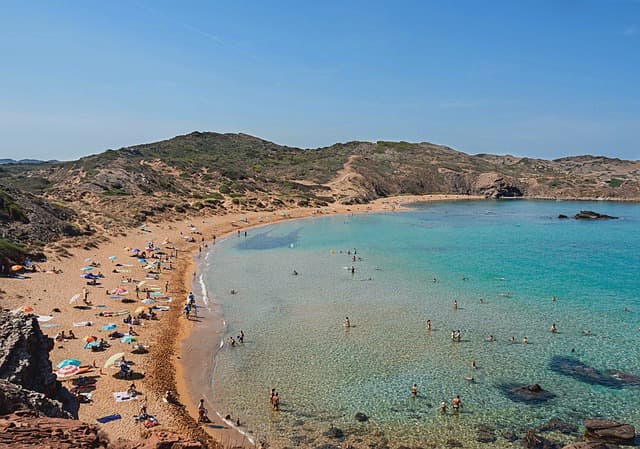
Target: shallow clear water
point(515, 255)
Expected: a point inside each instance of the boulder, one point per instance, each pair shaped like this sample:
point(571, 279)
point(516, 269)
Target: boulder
point(626, 378)
point(24, 361)
point(609, 431)
point(361, 417)
point(530, 394)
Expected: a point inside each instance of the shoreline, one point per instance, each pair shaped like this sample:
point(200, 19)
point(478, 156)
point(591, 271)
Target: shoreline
point(193, 352)
point(172, 362)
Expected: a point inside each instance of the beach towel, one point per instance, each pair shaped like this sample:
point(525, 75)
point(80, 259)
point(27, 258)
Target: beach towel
point(44, 318)
point(50, 325)
point(123, 271)
point(106, 419)
point(162, 308)
point(150, 421)
point(164, 299)
point(109, 313)
point(122, 396)
point(83, 323)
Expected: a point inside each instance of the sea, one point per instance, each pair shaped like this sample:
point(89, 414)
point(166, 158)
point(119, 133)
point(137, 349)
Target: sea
point(513, 268)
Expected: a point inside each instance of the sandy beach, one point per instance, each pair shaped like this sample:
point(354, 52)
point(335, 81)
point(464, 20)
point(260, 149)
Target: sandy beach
point(179, 358)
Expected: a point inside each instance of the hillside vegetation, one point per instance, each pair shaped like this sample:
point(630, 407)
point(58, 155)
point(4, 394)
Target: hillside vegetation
point(215, 173)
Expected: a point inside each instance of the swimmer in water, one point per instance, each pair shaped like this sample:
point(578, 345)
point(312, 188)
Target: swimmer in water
point(414, 391)
point(443, 407)
point(554, 329)
point(473, 364)
point(525, 340)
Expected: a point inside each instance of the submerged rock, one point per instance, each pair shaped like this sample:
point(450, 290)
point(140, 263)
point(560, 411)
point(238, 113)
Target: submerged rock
point(583, 372)
point(558, 425)
point(628, 379)
point(530, 394)
point(361, 417)
point(609, 431)
point(334, 432)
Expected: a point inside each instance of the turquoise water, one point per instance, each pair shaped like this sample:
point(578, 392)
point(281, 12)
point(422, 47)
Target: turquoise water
point(515, 255)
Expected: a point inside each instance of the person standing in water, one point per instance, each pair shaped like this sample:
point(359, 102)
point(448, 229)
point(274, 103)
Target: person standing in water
point(414, 391)
point(347, 323)
point(455, 304)
point(428, 325)
point(456, 403)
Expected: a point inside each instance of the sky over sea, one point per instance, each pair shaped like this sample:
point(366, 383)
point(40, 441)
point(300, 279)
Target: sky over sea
point(529, 78)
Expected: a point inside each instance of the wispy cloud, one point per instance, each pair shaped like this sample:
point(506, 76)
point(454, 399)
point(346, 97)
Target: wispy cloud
point(630, 31)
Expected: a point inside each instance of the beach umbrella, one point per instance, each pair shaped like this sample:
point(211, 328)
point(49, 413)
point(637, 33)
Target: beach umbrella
point(109, 327)
point(24, 309)
point(90, 338)
point(147, 301)
point(119, 291)
point(128, 339)
point(68, 370)
point(111, 360)
point(91, 344)
point(112, 257)
point(15, 268)
point(74, 298)
point(66, 362)
point(87, 268)
point(139, 310)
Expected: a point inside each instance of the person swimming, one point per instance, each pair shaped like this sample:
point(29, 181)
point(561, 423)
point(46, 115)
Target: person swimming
point(443, 407)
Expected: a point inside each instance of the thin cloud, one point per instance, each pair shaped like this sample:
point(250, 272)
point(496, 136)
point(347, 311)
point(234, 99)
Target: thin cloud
point(630, 31)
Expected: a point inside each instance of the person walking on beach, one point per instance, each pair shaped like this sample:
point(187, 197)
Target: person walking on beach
point(85, 295)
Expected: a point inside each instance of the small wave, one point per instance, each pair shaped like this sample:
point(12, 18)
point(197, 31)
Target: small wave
point(244, 433)
point(203, 289)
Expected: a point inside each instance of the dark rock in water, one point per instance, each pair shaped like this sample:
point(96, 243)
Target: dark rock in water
point(591, 215)
point(558, 425)
point(591, 445)
point(334, 432)
point(609, 431)
point(582, 372)
point(628, 379)
point(486, 437)
point(327, 446)
point(361, 417)
point(454, 443)
point(562, 216)
point(533, 441)
point(530, 394)
point(510, 436)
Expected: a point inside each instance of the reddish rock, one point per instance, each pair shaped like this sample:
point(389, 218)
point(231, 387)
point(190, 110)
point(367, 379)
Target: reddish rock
point(609, 431)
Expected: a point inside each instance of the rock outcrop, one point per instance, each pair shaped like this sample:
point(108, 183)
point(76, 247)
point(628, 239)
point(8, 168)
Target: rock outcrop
point(26, 429)
point(606, 431)
point(24, 362)
point(590, 215)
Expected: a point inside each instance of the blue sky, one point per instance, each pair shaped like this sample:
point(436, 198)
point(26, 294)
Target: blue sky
point(536, 78)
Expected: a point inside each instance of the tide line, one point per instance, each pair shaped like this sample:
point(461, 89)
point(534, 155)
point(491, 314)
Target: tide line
point(245, 434)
